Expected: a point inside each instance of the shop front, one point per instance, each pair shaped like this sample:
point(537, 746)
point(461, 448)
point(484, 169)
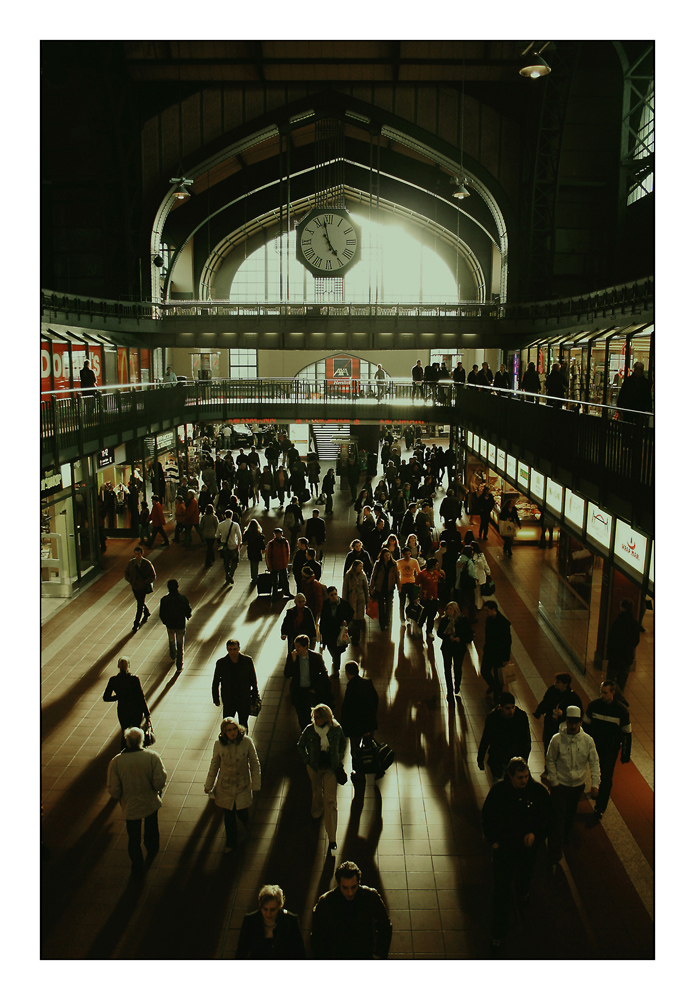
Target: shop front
point(69, 528)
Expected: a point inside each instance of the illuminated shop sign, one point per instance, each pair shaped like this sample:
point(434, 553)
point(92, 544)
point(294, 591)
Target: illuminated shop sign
point(651, 567)
point(491, 454)
point(104, 458)
point(553, 495)
point(476, 443)
point(537, 485)
point(598, 525)
point(574, 508)
point(523, 475)
point(630, 548)
point(511, 466)
point(51, 482)
point(502, 460)
point(469, 438)
point(483, 447)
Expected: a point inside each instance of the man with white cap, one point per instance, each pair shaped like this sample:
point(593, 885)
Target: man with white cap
point(569, 752)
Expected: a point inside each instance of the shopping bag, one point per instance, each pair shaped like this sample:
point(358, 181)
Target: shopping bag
point(373, 608)
point(508, 674)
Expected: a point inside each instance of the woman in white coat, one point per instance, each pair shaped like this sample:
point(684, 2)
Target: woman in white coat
point(234, 775)
point(482, 572)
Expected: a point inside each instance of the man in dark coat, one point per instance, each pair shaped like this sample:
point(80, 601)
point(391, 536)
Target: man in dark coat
point(174, 611)
point(235, 677)
point(350, 921)
point(635, 393)
point(335, 614)
point(315, 531)
point(418, 375)
point(328, 487)
point(501, 379)
point(554, 704)
point(360, 704)
point(497, 650)
point(309, 683)
point(623, 637)
point(517, 816)
point(140, 574)
point(555, 386)
point(607, 721)
point(486, 504)
point(87, 379)
point(450, 507)
point(506, 734)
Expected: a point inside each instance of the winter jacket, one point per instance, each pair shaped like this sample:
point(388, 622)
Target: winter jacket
point(509, 813)
point(551, 700)
point(136, 778)
point(277, 554)
point(309, 746)
point(237, 770)
point(332, 618)
point(363, 556)
point(428, 582)
point(292, 628)
point(351, 929)
point(498, 640)
point(286, 942)
point(383, 579)
point(157, 518)
point(623, 638)
point(209, 525)
point(462, 631)
point(191, 515)
point(255, 544)
point(567, 757)
point(504, 738)
point(140, 577)
point(236, 681)
point(174, 610)
point(359, 708)
point(482, 570)
point(356, 592)
point(608, 723)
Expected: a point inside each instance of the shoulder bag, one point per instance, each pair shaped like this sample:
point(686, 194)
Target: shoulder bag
point(150, 738)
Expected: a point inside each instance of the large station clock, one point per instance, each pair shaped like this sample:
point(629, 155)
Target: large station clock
point(328, 242)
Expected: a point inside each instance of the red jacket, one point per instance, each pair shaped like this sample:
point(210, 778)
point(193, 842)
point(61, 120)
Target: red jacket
point(277, 554)
point(191, 516)
point(157, 515)
point(428, 580)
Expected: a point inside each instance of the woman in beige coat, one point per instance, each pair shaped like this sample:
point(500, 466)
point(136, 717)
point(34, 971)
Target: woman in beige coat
point(234, 775)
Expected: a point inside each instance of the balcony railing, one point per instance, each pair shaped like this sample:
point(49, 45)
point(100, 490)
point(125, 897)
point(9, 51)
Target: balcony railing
point(623, 299)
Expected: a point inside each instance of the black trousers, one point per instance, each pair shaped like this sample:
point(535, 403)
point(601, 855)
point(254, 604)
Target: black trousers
point(509, 868)
point(134, 828)
point(489, 671)
point(607, 758)
point(230, 830)
point(565, 799)
point(141, 610)
point(455, 657)
point(159, 530)
point(229, 711)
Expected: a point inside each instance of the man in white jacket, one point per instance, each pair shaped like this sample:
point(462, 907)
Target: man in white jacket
point(136, 778)
point(569, 752)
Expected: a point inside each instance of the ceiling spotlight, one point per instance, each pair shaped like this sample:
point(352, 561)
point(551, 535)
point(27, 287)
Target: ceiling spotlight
point(534, 65)
point(461, 189)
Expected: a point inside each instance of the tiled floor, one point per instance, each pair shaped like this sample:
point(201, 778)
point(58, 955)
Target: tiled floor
point(416, 835)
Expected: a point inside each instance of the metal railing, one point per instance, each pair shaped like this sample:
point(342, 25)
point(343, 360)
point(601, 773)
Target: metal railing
point(584, 438)
point(623, 299)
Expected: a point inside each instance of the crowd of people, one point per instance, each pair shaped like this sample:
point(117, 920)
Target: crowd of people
point(407, 542)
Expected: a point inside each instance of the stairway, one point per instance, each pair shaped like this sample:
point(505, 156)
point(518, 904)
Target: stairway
point(323, 433)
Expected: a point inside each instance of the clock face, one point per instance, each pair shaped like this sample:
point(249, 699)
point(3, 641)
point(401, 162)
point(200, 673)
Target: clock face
point(328, 242)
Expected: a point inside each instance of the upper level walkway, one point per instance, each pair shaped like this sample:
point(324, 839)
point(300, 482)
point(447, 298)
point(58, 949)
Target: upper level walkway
point(579, 444)
point(364, 326)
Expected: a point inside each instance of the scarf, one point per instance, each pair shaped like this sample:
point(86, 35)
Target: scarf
point(322, 733)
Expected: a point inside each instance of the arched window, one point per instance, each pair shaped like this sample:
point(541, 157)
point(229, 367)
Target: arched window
point(642, 180)
point(394, 267)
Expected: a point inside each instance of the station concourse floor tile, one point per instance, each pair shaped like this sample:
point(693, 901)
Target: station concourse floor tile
point(415, 834)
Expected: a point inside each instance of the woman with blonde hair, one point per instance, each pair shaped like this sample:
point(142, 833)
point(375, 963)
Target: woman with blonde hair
point(455, 631)
point(322, 748)
point(271, 931)
point(234, 775)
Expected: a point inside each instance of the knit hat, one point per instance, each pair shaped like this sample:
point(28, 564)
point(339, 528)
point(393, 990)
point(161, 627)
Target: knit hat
point(574, 712)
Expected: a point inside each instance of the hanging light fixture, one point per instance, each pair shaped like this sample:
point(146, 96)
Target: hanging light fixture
point(459, 182)
point(534, 65)
point(183, 183)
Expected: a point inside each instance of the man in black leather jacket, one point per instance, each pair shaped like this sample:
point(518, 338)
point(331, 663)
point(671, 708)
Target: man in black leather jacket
point(350, 921)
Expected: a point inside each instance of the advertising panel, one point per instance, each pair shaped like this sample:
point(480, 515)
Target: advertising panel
point(537, 485)
point(476, 443)
point(598, 526)
point(630, 549)
point(492, 454)
point(55, 357)
point(483, 447)
point(501, 459)
point(553, 495)
point(511, 467)
point(469, 439)
point(522, 477)
point(574, 508)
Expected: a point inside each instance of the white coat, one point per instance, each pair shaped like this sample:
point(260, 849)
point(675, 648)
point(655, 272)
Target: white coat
point(136, 778)
point(238, 773)
point(568, 756)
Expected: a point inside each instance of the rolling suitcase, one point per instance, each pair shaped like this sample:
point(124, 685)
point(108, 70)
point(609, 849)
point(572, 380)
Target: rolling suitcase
point(372, 758)
point(264, 584)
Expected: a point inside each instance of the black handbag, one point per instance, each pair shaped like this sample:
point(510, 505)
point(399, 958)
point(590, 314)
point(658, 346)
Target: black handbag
point(255, 706)
point(487, 588)
point(150, 738)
